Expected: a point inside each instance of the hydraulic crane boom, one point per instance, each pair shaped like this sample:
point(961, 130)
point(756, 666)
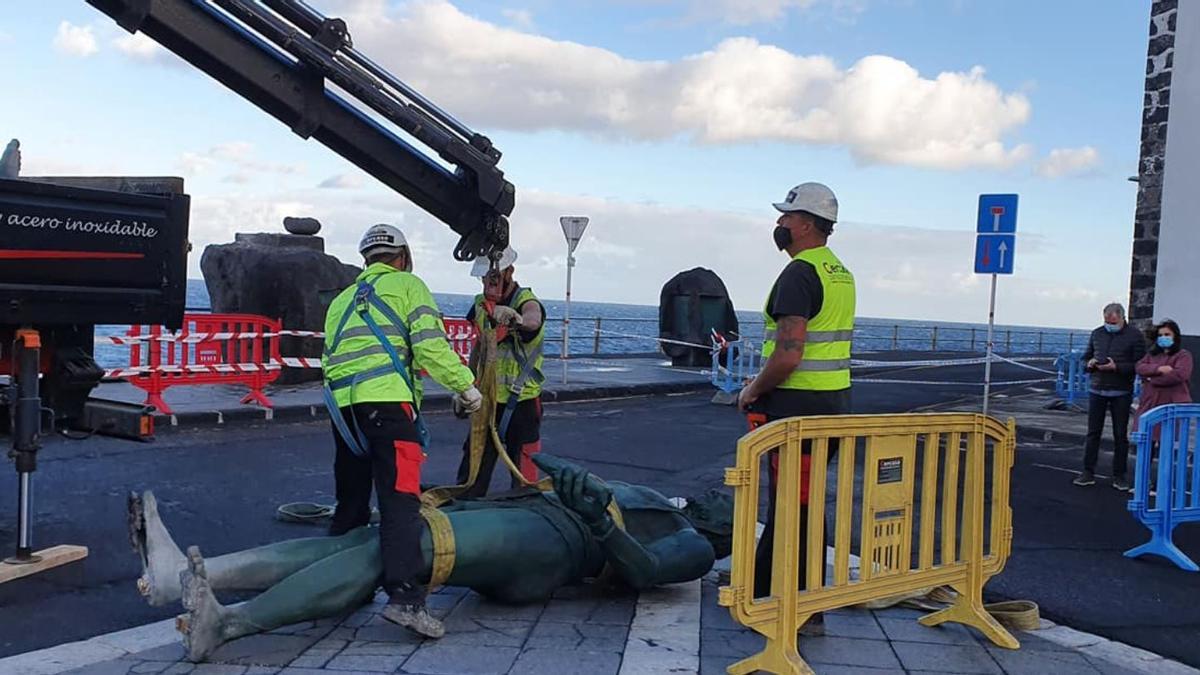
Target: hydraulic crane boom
point(279, 55)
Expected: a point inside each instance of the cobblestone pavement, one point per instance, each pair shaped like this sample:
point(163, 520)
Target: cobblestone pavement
point(886, 642)
point(579, 631)
point(588, 631)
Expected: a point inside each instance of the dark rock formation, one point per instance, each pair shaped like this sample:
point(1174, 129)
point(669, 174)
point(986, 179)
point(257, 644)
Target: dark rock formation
point(282, 276)
point(302, 225)
point(691, 305)
point(10, 161)
point(1148, 215)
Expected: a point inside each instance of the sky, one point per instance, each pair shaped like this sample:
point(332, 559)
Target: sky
point(673, 125)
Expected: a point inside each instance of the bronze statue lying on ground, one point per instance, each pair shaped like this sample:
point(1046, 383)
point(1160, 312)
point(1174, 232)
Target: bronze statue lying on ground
point(518, 549)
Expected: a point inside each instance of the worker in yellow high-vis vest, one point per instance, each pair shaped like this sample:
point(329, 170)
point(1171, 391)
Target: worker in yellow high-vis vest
point(520, 335)
point(809, 317)
point(379, 334)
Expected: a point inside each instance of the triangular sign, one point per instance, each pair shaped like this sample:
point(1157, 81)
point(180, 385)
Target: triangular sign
point(573, 227)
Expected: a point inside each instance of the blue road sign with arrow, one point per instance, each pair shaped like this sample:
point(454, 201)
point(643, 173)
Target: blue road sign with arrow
point(994, 253)
point(996, 241)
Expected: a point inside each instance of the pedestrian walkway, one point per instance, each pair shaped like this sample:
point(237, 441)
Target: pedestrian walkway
point(587, 630)
point(589, 378)
point(883, 642)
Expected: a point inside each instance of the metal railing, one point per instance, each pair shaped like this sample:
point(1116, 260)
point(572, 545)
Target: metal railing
point(631, 335)
point(613, 335)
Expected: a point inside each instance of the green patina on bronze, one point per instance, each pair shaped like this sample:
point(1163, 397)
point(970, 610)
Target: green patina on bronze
point(518, 548)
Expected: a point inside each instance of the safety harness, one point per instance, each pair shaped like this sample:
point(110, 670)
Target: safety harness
point(365, 298)
point(483, 422)
point(526, 363)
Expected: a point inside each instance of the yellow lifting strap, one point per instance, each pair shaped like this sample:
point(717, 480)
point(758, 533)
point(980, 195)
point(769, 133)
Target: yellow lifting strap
point(483, 426)
point(443, 544)
point(1013, 614)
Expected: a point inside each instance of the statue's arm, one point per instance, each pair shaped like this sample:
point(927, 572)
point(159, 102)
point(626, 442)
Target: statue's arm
point(681, 556)
point(636, 564)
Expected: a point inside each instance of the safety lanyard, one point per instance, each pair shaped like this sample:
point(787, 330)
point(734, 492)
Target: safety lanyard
point(365, 298)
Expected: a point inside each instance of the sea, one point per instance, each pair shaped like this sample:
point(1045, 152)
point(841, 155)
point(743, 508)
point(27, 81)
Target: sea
point(604, 328)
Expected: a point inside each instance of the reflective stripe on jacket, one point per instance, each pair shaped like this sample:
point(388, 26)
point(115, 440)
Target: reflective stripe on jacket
point(360, 358)
point(826, 362)
point(508, 365)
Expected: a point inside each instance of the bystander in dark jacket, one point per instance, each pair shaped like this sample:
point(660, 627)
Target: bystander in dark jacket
point(1111, 357)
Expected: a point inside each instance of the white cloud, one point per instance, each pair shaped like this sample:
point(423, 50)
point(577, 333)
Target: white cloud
point(742, 90)
point(521, 19)
point(75, 40)
point(343, 181)
point(139, 47)
point(631, 249)
point(238, 155)
point(747, 12)
point(1069, 162)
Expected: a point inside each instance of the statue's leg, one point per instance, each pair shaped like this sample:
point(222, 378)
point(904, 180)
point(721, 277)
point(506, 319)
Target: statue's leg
point(255, 569)
point(334, 585)
point(161, 558)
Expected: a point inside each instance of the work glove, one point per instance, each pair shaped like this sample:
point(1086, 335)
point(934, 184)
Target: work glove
point(507, 316)
point(468, 401)
point(458, 409)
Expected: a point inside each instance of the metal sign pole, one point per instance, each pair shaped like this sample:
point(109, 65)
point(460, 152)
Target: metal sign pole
point(987, 367)
point(995, 247)
point(566, 337)
point(572, 227)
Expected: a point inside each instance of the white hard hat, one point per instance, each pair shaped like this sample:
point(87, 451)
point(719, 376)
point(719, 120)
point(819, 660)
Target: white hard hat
point(482, 265)
point(382, 236)
point(813, 198)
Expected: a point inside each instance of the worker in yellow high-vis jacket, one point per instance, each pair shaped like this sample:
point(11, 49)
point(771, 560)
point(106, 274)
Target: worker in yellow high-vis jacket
point(809, 317)
point(520, 335)
point(379, 334)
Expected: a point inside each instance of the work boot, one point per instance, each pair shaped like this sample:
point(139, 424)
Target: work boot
point(1121, 483)
point(1085, 479)
point(815, 626)
point(415, 618)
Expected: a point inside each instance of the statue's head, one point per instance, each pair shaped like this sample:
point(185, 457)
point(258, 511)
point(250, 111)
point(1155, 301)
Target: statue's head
point(712, 516)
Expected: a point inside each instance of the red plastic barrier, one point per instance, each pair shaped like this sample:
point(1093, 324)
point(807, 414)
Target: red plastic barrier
point(210, 349)
point(462, 335)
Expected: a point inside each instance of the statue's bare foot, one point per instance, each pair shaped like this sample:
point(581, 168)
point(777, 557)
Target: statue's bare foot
point(201, 626)
point(162, 561)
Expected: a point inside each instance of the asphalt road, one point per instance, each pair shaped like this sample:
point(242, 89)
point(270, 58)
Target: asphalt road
point(219, 489)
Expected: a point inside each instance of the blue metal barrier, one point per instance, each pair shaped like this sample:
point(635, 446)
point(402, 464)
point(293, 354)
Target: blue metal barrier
point(1072, 381)
point(741, 364)
point(1177, 426)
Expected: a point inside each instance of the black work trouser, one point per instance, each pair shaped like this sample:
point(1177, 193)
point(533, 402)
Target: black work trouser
point(816, 403)
point(522, 441)
point(393, 469)
point(1098, 407)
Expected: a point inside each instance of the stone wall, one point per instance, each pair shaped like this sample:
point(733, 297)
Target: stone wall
point(1159, 64)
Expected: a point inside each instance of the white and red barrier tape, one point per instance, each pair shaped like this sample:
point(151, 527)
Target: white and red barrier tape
point(275, 364)
point(190, 338)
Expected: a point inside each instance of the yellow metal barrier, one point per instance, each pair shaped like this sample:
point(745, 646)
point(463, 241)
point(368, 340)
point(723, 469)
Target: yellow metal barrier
point(930, 514)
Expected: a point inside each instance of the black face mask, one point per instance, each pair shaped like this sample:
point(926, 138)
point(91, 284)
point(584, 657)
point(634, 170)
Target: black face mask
point(783, 237)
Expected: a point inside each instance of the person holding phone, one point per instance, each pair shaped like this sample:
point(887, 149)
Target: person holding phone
point(1111, 357)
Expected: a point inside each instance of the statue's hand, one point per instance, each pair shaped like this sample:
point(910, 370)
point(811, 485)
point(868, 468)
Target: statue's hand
point(579, 491)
